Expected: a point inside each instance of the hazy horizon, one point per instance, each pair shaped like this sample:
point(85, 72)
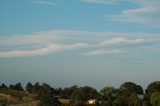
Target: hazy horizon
point(80, 42)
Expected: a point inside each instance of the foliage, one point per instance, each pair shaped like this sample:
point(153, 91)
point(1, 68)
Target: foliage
point(155, 99)
point(3, 86)
point(67, 92)
point(29, 87)
point(108, 91)
point(47, 98)
point(84, 93)
point(130, 87)
point(127, 95)
point(153, 87)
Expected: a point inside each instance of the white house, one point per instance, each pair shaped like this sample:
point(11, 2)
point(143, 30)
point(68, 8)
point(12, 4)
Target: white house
point(91, 101)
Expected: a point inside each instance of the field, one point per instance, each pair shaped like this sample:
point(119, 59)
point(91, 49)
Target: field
point(17, 98)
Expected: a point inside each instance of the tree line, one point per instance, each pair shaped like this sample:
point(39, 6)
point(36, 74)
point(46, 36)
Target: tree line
point(128, 94)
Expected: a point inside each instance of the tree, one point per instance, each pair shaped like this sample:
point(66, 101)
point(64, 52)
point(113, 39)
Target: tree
point(118, 102)
point(12, 87)
point(146, 103)
point(47, 98)
point(57, 91)
point(155, 99)
point(133, 100)
point(108, 91)
point(67, 92)
point(19, 87)
point(130, 87)
point(84, 93)
point(153, 87)
point(29, 87)
point(3, 86)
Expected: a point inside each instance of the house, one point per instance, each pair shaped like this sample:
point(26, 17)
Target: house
point(91, 101)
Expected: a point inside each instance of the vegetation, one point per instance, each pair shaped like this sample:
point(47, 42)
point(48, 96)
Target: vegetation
point(128, 94)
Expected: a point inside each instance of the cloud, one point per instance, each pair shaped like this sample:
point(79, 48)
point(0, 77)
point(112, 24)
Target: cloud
point(44, 2)
point(71, 36)
point(53, 41)
point(51, 49)
point(123, 40)
point(147, 14)
point(103, 52)
point(100, 1)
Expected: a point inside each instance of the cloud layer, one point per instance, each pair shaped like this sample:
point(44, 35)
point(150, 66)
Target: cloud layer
point(51, 49)
point(51, 42)
point(99, 1)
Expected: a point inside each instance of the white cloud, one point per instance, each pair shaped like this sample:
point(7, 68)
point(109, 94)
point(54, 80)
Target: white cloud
point(100, 1)
point(71, 36)
point(147, 14)
point(51, 49)
point(123, 40)
point(50, 42)
point(103, 52)
point(44, 2)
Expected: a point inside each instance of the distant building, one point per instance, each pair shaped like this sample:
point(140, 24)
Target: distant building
point(91, 101)
point(140, 96)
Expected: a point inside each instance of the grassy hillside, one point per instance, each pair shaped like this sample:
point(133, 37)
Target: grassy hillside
point(17, 98)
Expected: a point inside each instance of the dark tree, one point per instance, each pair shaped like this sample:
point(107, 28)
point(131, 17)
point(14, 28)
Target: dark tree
point(47, 98)
point(29, 87)
point(130, 87)
point(153, 87)
point(12, 87)
point(3, 86)
point(84, 93)
point(67, 92)
point(19, 87)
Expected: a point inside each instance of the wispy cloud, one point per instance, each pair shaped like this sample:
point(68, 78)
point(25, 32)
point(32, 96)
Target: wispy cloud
point(147, 14)
point(103, 52)
point(44, 2)
point(100, 1)
point(123, 40)
point(51, 42)
point(51, 49)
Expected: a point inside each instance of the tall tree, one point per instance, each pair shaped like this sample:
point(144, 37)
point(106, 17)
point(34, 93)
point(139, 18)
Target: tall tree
point(3, 86)
point(19, 87)
point(29, 87)
point(47, 98)
point(130, 87)
point(84, 93)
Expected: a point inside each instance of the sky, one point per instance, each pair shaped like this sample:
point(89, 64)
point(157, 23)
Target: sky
point(96, 43)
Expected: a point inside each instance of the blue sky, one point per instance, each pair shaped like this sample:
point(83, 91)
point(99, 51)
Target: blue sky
point(85, 42)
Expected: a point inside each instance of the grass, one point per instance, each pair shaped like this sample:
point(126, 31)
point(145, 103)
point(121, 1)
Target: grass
point(17, 98)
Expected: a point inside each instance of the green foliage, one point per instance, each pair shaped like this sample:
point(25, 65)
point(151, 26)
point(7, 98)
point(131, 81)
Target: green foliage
point(108, 91)
point(118, 102)
point(84, 93)
point(153, 87)
point(67, 92)
point(155, 99)
point(47, 98)
point(127, 95)
point(3, 86)
point(133, 100)
point(17, 86)
point(130, 87)
point(29, 87)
